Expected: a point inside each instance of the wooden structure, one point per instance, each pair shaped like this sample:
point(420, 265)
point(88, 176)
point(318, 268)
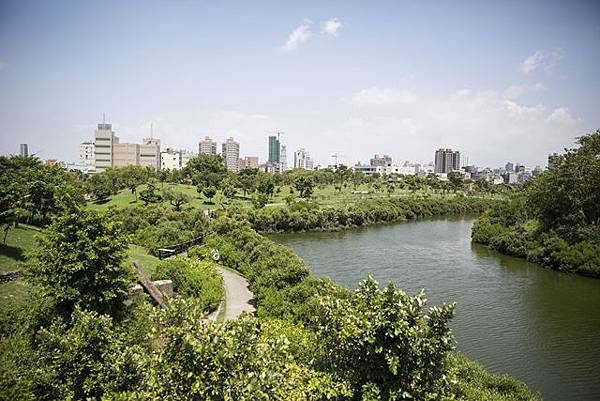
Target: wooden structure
point(149, 286)
point(179, 248)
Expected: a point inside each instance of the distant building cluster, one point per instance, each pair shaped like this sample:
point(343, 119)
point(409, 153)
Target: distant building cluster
point(107, 151)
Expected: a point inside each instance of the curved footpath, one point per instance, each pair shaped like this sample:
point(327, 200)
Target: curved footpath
point(238, 297)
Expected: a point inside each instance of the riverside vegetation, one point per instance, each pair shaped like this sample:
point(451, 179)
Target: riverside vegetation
point(555, 220)
point(71, 336)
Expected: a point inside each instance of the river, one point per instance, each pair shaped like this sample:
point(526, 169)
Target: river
point(538, 325)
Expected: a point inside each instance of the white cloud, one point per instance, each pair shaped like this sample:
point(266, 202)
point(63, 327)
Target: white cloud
point(383, 96)
point(561, 115)
point(297, 37)
point(541, 59)
point(515, 91)
point(331, 26)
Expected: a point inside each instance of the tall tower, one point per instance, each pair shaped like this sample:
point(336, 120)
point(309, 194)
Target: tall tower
point(23, 150)
point(207, 146)
point(274, 149)
point(104, 140)
point(231, 155)
point(446, 160)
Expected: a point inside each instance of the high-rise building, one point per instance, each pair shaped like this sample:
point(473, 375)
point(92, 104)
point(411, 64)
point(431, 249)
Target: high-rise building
point(283, 158)
point(381, 161)
point(274, 149)
point(86, 154)
point(24, 150)
point(207, 146)
point(108, 152)
point(302, 159)
point(509, 166)
point(104, 138)
point(231, 155)
point(446, 160)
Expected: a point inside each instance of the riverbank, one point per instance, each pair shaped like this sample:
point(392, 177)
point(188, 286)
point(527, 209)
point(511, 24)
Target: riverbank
point(512, 316)
point(507, 228)
point(309, 216)
point(286, 289)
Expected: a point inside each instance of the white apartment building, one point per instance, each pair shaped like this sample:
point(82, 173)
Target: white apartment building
point(231, 155)
point(86, 154)
point(174, 159)
point(170, 160)
point(302, 159)
point(207, 146)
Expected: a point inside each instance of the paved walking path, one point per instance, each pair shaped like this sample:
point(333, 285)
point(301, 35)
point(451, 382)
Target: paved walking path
point(238, 297)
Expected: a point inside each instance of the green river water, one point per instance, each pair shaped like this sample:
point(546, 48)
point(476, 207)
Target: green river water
point(538, 325)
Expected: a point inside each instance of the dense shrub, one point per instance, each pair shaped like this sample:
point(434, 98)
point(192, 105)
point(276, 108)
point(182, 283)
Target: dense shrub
point(304, 216)
point(79, 261)
point(475, 384)
point(193, 278)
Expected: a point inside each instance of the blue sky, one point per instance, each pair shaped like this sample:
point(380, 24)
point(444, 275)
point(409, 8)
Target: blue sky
point(510, 80)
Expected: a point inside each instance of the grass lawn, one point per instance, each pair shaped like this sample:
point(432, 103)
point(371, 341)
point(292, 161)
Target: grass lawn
point(126, 199)
point(19, 241)
point(146, 261)
point(324, 195)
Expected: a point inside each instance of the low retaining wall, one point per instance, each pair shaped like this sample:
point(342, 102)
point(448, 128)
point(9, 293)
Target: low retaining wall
point(165, 287)
point(10, 276)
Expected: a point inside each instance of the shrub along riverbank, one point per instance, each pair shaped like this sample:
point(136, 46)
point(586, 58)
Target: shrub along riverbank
point(555, 220)
point(306, 216)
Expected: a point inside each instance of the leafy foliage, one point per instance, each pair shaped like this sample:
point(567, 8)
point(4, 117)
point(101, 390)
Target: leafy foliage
point(193, 278)
point(555, 220)
point(79, 261)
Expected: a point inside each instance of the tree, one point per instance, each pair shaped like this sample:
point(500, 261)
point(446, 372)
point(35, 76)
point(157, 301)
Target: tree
point(265, 184)
point(358, 178)
point(134, 176)
point(247, 180)
point(79, 261)
point(149, 195)
point(383, 342)
point(209, 192)
point(175, 198)
point(207, 170)
point(304, 184)
point(456, 180)
point(260, 200)
point(568, 193)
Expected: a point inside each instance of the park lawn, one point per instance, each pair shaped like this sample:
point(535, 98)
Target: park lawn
point(126, 199)
point(19, 241)
point(138, 254)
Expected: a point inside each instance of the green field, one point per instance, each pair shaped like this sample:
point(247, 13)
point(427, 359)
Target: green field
point(324, 195)
point(19, 241)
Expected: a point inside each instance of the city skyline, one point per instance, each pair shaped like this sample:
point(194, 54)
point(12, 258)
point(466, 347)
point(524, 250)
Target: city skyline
point(395, 77)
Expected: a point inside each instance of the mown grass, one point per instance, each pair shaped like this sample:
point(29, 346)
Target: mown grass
point(19, 241)
point(147, 262)
point(325, 195)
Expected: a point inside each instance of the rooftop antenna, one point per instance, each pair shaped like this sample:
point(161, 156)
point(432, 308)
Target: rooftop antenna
point(103, 119)
point(151, 130)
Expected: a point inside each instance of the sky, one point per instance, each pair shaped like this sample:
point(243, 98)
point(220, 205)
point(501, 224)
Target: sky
point(498, 81)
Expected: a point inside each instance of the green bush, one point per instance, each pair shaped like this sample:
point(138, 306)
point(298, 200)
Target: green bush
point(473, 383)
point(79, 261)
point(193, 278)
